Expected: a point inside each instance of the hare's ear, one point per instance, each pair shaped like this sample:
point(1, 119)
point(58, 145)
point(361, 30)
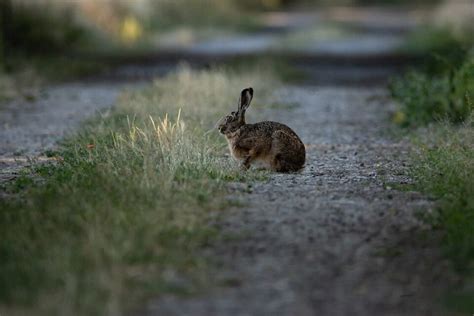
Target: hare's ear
point(245, 98)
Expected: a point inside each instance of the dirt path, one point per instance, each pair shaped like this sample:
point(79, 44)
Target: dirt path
point(335, 239)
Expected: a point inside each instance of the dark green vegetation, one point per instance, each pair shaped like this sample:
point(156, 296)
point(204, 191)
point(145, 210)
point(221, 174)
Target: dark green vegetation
point(445, 168)
point(441, 93)
point(125, 209)
point(428, 97)
point(443, 88)
point(37, 44)
point(34, 30)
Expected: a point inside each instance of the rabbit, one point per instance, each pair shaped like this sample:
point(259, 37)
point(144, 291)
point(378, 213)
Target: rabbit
point(271, 144)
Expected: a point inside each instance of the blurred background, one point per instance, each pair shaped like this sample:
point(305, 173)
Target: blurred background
point(350, 42)
point(38, 34)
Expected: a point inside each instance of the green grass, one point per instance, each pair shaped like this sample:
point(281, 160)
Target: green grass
point(460, 300)
point(444, 169)
point(439, 93)
point(429, 39)
point(425, 97)
point(123, 215)
point(441, 87)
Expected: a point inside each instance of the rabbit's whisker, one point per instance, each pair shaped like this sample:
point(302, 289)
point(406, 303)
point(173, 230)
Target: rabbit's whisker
point(215, 125)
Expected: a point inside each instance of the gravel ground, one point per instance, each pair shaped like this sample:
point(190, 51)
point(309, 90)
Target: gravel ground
point(29, 128)
point(336, 238)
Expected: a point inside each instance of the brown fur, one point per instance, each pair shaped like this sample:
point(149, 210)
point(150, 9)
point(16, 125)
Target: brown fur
point(274, 144)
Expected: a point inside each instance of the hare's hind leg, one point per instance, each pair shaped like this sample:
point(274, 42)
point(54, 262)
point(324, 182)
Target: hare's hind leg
point(280, 164)
point(283, 151)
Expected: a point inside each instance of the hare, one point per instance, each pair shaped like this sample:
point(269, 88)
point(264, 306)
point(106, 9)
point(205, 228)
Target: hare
point(273, 145)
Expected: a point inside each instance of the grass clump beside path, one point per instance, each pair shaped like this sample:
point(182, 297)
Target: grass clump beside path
point(123, 215)
point(427, 96)
point(442, 87)
point(445, 169)
point(441, 94)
